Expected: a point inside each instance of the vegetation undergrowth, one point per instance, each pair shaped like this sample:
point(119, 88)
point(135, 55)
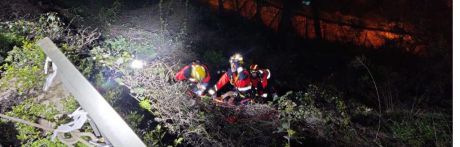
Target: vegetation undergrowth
point(22, 78)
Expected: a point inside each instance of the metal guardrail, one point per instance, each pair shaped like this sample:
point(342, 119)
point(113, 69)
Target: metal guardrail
point(107, 120)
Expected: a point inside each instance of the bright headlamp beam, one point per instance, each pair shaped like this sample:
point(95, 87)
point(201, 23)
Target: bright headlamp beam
point(137, 64)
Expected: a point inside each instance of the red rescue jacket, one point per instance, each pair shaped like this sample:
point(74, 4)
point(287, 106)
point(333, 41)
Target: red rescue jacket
point(186, 73)
point(261, 80)
point(240, 81)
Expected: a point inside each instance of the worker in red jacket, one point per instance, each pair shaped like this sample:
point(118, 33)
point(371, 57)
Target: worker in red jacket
point(259, 80)
point(197, 74)
point(237, 76)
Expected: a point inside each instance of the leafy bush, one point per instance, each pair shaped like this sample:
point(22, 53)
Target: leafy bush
point(141, 50)
point(47, 143)
point(47, 25)
point(74, 42)
point(109, 15)
point(70, 104)
point(155, 137)
point(168, 101)
point(31, 110)
point(421, 130)
point(295, 115)
point(24, 68)
point(7, 42)
point(22, 73)
point(152, 86)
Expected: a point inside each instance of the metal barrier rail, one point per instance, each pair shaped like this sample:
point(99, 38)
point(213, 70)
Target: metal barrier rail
point(107, 120)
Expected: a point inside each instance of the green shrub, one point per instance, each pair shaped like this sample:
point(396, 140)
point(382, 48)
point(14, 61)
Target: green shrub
point(315, 113)
point(22, 72)
point(44, 142)
point(47, 25)
point(24, 67)
point(145, 104)
point(109, 15)
point(294, 114)
point(144, 50)
point(30, 110)
point(155, 137)
point(116, 45)
point(134, 119)
point(70, 104)
point(428, 129)
point(7, 42)
point(29, 53)
point(72, 42)
point(8, 39)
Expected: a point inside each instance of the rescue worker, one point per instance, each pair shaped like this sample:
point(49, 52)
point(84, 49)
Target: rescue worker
point(237, 76)
point(259, 80)
point(197, 74)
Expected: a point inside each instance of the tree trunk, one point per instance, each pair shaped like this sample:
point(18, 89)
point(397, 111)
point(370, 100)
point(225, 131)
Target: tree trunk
point(286, 29)
point(220, 7)
point(257, 16)
point(287, 12)
point(316, 19)
point(237, 5)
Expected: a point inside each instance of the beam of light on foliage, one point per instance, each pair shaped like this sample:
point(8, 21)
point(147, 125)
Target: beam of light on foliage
point(137, 64)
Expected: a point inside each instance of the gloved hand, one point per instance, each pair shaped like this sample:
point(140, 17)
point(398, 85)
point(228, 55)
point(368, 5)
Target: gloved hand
point(200, 92)
point(265, 95)
point(211, 92)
